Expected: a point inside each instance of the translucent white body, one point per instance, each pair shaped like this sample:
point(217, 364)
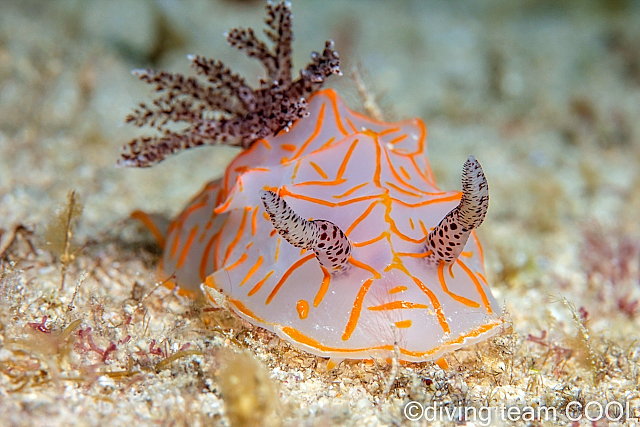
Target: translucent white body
point(373, 181)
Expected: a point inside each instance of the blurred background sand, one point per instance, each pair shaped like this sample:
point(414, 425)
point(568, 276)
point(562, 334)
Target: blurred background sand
point(546, 94)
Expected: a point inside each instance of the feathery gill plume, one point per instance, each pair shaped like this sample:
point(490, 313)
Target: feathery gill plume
point(218, 107)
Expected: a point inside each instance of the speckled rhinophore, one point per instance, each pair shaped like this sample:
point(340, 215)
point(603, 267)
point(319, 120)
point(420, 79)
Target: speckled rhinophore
point(409, 271)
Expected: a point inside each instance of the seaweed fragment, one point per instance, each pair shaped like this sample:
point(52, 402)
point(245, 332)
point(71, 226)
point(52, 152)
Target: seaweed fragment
point(611, 260)
point(10, 236)
point(370, 100)
point(584, 343)
point(219, 107)
point(60, 230)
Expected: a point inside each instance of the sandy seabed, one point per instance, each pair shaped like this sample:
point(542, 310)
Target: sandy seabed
point(546, 94)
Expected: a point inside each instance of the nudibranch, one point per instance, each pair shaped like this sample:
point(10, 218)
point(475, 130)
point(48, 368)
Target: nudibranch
point(334, 235)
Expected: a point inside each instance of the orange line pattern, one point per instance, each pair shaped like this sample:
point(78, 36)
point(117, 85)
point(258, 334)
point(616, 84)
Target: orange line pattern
point(350, 191)
point(286, 275)
point(364, 266)
point(355, 312)
point(397, 305)
point(187, 246)
point(205, 256)
point(151, 226)
point(242, 259)
point(382, 193)
point(258, 285)
point(235, 241)
point(402, 324)
point(252, 271)
point(303, 339)
point(459, 298)
point(483, 294)
point(319, 170)
point(436, 305)
point(324, 287)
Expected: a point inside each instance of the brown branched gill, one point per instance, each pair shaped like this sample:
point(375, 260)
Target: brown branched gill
point(218, 107)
